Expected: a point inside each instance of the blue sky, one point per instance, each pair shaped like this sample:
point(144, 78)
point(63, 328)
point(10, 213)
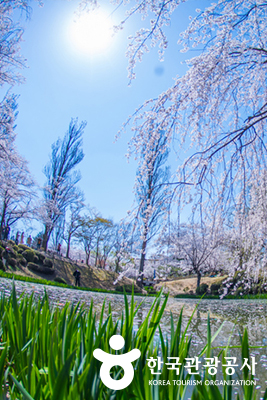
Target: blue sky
point(62, 82)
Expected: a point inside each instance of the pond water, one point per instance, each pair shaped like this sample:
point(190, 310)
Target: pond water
point(235, 315)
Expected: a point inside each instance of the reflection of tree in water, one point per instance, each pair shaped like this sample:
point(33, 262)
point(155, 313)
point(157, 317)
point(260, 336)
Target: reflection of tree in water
point(251, 314)
point(196, 329)
point(139, 317)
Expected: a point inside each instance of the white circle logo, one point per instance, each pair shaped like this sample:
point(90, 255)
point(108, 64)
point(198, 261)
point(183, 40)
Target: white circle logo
point(116, 342)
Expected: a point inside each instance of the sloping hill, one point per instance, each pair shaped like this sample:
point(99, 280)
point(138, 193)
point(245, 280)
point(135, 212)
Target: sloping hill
point(61, 268)
point(90, 276)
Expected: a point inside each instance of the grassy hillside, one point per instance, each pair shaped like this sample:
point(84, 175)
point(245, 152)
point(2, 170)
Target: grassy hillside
point(53, 267)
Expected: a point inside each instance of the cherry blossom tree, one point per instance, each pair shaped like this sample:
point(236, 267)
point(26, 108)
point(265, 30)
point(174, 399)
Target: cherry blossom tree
point(8, 113)
point(11, 33)
point(17, 189)
point(246, 243)
point(123, 245)
point(219, 105)
point(194, 248)
point(215, 115)
point(151, 191)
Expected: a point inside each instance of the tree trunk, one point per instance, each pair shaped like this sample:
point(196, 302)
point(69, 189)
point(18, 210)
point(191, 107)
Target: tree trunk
point(117, 265)
point(2, 221)
point(68, 246)
point(87, 257)
point(97, 250)
point(140, 278)
point(46, 237)
point(198, 279)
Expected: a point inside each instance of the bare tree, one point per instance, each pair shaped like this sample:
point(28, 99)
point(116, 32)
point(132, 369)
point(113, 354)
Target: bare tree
point(60, 190)
point(91, 232)
point(102, 238)
point(75, 220)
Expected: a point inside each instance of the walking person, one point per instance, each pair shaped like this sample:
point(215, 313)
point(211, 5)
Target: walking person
point(77, 276)
point(17, 238)
point(39, 242)
point(58, 249)
point(29, 240)
point(22, 238)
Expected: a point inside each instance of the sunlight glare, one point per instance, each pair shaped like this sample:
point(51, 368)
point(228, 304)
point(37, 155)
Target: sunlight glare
point(91, 33)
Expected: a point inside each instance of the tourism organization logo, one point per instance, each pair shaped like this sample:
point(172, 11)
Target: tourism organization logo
point(191, 365)
point(124, 361)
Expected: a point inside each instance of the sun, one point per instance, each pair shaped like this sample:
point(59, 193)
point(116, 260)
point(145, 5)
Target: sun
point(91, 33)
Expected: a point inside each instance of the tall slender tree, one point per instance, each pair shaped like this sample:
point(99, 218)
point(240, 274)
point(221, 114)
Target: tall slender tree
point(60, 189)
point(17, 185)
point(151, 191)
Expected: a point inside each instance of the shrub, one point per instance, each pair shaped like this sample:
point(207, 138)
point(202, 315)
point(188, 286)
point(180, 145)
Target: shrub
point(12, 254)
point(256, 289)
point(40, 256)
point(239, 291)
point(202, 289)
point(12, 262)
point(29, 255)
point(33, 267)
point(21, 260)
point(40, 268)
point(150, 290)
point(48, 262)
point(9, 253)
point(215, 287)
point(128, 289)
point(23, 246)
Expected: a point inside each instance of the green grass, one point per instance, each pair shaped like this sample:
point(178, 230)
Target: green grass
point(52, 283)
point(46, 353)
point(178, 296)
point(196, 296)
